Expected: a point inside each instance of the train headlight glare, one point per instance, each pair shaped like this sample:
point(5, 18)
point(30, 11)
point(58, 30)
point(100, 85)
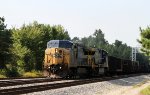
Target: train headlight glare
point(60, 67)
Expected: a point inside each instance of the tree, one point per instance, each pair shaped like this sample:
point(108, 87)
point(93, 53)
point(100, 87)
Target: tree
point(30, 41)
point(76, 40)
point(145, 40)
point(5, 42)
point(96, 40)
point(99, 39)
point(120, 50)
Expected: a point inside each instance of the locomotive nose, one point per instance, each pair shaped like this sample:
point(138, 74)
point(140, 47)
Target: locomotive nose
point(57, 56)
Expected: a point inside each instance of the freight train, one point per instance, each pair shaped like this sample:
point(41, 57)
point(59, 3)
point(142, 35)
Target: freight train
point(65, 59)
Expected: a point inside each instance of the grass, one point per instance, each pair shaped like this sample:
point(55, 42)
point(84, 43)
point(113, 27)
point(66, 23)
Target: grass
point(13, 73)
point(32, 74)
point(146, 91)
point(3, 76)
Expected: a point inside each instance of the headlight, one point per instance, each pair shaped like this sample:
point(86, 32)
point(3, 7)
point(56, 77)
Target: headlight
point(56, 50)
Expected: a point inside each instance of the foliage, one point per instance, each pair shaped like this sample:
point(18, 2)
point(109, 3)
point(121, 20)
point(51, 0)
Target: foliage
point(142, 58)
point(120, 50)
point(12, 71)
point(29, 44)
point(5, 42)
point(145, 40)
point(117, 49)
point(3, 72)
point(95, 40)
point(76, 40)
point(99, 39)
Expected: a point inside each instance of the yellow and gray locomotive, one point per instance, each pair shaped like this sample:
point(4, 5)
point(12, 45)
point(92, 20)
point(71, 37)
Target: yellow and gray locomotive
point(66, 59)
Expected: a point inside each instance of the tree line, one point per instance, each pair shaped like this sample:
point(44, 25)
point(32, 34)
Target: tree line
point(116, 49)
point(22, 49)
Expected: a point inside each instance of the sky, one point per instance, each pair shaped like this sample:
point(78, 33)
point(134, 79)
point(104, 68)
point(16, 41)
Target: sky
point(118, 19)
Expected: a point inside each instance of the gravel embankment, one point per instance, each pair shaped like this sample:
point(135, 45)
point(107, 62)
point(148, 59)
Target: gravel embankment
point(112, 87)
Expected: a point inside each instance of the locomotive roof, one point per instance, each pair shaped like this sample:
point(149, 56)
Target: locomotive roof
point(59, 43)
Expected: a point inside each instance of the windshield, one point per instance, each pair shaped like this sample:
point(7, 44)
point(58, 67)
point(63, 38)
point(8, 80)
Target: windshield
point(59, 44)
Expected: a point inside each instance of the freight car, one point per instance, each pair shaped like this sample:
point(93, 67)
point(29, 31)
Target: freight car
point(66, 59)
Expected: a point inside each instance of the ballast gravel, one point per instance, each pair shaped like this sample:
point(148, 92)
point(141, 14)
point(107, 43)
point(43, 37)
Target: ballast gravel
point(111, 87)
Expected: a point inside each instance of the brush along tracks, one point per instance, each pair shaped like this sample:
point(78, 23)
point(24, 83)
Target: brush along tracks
point(50, 84)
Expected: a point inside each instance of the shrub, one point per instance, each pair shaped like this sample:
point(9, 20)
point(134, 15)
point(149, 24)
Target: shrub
point(3, 73)
point(12, 71)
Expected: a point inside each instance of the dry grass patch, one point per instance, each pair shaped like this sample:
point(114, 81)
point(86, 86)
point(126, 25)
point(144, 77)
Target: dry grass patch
point(32, 74)
point(3, 76)
point(145, 91)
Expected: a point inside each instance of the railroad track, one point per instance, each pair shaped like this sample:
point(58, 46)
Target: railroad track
point(43, 87)
point(21, 78)
point(22, 82)
point(30, 89)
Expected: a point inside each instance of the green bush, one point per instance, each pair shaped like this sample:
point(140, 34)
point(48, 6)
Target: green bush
point(12, 71)
point(15, 71)
point(3, 73)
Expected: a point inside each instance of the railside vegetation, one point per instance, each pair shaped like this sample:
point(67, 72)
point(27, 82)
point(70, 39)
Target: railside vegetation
point(146, 91)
